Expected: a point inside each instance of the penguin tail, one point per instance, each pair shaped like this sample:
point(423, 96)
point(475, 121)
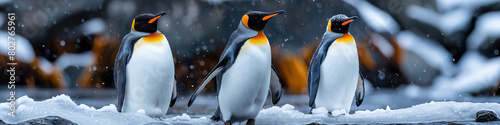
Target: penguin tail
point(217, 116)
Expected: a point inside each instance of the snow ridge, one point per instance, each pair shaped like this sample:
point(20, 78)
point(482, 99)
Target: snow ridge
point(65, 107)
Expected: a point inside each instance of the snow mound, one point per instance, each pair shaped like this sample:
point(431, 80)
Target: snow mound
point(24, 50)
point(486, 26)
point(65, 107)
point(377, 19)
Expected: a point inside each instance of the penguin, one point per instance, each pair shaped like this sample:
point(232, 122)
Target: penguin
point(334, 77)
point(144, 69)
point(244, 72)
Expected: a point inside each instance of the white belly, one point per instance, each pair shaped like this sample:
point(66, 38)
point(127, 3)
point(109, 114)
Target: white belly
point(150, 79)
point(339, 75)
point(246, 84)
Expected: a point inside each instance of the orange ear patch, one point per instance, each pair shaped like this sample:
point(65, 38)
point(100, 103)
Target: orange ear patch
point(329, 27)
point(345, 38)
point(244, 20)
point(133, 24)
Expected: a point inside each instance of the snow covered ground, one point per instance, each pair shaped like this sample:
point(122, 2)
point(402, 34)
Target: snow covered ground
point(380, 106)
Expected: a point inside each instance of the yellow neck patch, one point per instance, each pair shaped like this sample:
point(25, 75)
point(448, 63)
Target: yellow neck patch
point(345, 38)
point(153, 37)
point(259, 39)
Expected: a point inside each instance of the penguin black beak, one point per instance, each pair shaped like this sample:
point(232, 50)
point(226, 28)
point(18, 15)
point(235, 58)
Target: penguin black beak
point(273, 14)
point(350, 19)
point(157, 17)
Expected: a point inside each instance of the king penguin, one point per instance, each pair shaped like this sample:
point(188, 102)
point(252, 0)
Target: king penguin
point(244, 72)
point(144, 69)
point(334, 77)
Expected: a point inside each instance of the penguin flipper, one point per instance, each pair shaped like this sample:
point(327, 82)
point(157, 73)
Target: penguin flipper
point(313, 75)
point(360, 90)
point(217, 116)
point(313, 78)
point(207, 79)
point(174, 93)
point(275, 86)
point(121, 61)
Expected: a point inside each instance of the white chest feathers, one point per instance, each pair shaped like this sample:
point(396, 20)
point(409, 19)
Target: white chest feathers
point(150, 77)
point(245, 84)
point(339, 75)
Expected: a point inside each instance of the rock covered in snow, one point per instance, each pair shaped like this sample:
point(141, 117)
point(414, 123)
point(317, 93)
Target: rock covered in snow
point(49, 120)
point(486, 116)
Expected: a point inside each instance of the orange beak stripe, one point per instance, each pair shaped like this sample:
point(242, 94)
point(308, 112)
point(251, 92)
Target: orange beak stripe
point(346, 22)
point(268, 17)
point(154, 19)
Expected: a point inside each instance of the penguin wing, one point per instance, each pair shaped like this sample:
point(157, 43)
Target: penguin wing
point(236, 41)
point(275, 86)
point(174, 93)
point(360, 90)
point(121, 61)
point(315, 65)
point(207, 79)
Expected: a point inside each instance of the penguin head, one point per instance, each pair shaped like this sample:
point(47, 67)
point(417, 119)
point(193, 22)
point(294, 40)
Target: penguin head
point(340, 23)
point(257, 20)
point(146, 22)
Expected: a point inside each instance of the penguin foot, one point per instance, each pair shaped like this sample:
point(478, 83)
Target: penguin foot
point(251, 122)
point(228, 122)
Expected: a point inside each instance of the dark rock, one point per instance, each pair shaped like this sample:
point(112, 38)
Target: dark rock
point(49, 120)
point(2, 123)
point(486, 116)
point(157, 123)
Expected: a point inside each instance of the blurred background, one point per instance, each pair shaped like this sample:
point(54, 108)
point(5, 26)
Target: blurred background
point(408, 50)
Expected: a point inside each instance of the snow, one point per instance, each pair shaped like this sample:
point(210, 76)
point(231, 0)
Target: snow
point(45, 65)
point(384, 46)
point(448, 22)
point(65, 107)
point(486, 26)
point(375, 18)
point(448, 5)
point(452, 15)
point(476, 73)
point(24, 50)
point(435, 55)
point(93, 26)
point(83, 59)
